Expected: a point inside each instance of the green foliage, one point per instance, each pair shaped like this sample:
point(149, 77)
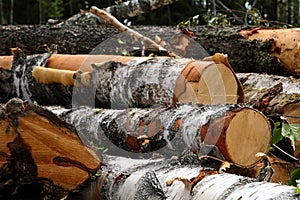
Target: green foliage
point(52, 9)
point(96, 175)
point(291, 131)
point(255, 18)
point(220, 20)
point(295, 179)
point(56, 9)
point(192, 21)
point(276, 136)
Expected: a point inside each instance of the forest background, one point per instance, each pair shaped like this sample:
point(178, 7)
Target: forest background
point(224, 12)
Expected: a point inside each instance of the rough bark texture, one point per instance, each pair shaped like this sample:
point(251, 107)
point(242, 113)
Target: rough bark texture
point(74, 40)
point(137, 82)
point(285, 45)
point(269, 93)
point(41, 156)
point(182, 178)
point(244, 55)
point(173, 130)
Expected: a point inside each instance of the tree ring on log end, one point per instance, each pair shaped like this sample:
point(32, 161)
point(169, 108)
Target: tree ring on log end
point(208, 83)
point(247, 129)
point(239, 135)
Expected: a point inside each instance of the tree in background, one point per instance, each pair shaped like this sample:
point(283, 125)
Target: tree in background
point(235, 12)
point(1, 13)
point(53, 9)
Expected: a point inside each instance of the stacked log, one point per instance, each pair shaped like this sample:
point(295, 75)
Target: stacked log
point(172, 131)
point(270, 93)
point(41, 155)
point(49, 80)
point(285, 45)
point(180, 179)
point(245, 54)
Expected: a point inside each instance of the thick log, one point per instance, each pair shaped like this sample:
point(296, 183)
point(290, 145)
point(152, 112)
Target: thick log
point(121, 81)
point(244, 55)
point(285, 45)
point(38, 150)
point(275, 96)
point(173, 130)
point(270, 94)
point(182, 178)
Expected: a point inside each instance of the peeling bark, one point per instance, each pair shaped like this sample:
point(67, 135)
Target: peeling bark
point(269, 93)
point(182, 178)
point(129, 82)
point(173, 130)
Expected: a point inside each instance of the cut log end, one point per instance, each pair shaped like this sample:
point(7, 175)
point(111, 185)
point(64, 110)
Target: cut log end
point(208, 83)
point(247, 134)
point(241, 134)
point(52, 146)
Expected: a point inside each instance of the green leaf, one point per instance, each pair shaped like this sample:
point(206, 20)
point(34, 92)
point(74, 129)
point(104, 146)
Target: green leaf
point(276, 136)
point(295, 175)
point(291, 131)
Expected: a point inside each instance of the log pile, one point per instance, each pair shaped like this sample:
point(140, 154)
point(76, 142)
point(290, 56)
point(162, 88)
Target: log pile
point(165, 128)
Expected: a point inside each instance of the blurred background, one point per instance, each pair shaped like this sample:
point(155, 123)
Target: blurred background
point(188, 12)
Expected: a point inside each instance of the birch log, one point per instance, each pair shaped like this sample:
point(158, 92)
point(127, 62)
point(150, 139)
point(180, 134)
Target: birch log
point(38, 150)
point(181, 179)
point(270, 94)
point(122, 82)
point(173, 130)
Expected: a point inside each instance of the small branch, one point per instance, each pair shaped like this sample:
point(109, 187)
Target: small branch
point(287, 154)
point(228, 10)
point(118, 25)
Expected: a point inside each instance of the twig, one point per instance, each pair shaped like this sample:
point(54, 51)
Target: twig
point(118, 25)
point(287, 154)
point(229, 10)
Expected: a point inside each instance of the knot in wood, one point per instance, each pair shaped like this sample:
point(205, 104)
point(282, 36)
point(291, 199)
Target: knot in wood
point(14, 106)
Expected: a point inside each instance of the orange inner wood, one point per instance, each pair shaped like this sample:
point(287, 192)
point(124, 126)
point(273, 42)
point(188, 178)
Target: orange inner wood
point(47, 142)
point(70, 62)
point(5, 62)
